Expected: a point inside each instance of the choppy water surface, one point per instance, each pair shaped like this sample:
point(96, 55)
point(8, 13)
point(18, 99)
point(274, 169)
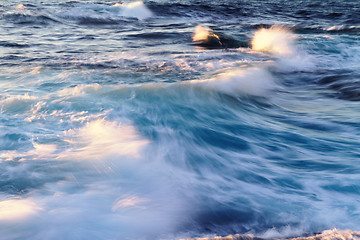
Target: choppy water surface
point(178, 119)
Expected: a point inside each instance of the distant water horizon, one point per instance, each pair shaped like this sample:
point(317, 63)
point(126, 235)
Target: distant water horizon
point(177, 119)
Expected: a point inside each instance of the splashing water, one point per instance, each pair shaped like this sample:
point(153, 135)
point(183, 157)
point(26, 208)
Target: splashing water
point(276, 40)
point(135, 121)
point(134, 9)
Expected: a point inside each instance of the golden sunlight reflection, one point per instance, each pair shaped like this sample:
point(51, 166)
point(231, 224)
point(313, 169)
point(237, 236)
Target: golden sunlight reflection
point(20, 7)
point(40, 152)
point(203, 34)
point(277, 40)
point(16, 209)
point(103, 138)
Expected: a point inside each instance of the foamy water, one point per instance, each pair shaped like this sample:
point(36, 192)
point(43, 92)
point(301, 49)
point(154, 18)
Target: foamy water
point(179, 120)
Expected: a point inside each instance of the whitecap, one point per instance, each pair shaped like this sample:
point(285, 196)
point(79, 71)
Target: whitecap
point(252, 81)
point(134, 9)
point(80, 89)
point(277, 40)
point(101, 138)
point(17, 104)
point(280, 42)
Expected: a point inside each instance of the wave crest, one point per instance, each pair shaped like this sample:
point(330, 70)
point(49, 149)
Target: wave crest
point(276, 40)
point(206, 37)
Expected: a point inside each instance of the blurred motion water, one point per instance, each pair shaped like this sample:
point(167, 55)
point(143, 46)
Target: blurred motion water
point(178, 119)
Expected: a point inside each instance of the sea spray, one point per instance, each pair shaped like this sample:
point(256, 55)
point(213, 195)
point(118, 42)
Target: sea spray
point(277, 40)
point(280, 42)
point(135, 9)
point(115, 126)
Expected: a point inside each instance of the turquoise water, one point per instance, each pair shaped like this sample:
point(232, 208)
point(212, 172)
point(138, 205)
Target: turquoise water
point(174, 119)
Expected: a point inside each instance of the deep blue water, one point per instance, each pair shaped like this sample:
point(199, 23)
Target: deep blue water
point(178, 119)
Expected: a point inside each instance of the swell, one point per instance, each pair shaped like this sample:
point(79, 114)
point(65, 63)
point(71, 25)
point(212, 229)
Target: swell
point(13, 44)
point(343, 83)
point(30, 19)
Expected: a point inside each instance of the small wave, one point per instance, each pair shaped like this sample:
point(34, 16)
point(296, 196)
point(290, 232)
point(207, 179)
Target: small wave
point(154, 35)
point(13, 44)
point(26, 15)
point(253, 81)
point(23, 18)
point(105, 14)
point(134, 9)
point(343, 29)
point(17, 104)
point(344, 85)
point(207, 38)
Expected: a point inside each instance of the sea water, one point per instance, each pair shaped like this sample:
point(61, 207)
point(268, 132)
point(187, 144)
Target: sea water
point(171, 119)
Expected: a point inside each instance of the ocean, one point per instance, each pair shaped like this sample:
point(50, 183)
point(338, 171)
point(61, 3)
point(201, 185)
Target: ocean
point(169, 119)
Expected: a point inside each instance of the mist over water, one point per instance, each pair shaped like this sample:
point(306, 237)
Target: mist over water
point(179, 119)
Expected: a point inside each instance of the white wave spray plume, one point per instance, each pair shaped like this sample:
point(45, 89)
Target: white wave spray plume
point(277, 40)
point(134, 9)
point(280, 42)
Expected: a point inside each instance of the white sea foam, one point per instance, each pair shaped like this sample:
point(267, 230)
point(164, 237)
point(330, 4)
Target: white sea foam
point(277, 40)
point(280, 42)
point(101, 138)
point(252, 81)
point(105, 13)
point(282, 232)
point(121, 201)
point(17, 104)
point(80, 89)
point(134, 9)
point(15, 209)
point(103, 206)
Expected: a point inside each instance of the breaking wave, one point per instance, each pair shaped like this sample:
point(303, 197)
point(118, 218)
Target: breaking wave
point(179, 119)
point(86, 13)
